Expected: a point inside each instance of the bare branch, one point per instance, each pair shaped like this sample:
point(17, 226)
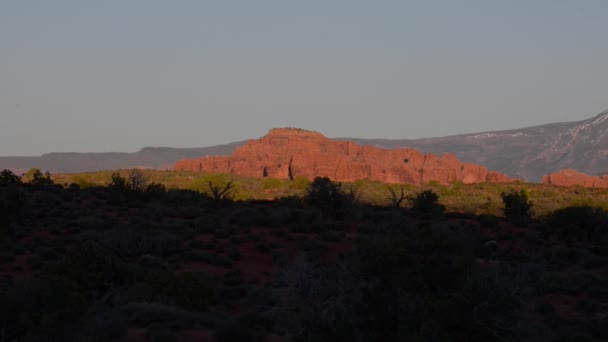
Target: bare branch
point(396, 198)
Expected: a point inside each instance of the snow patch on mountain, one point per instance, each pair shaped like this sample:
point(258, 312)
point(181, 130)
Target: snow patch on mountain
point(496, 135)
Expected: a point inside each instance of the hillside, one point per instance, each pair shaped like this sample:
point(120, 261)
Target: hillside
point(287, 153)
point(149, 157)
point(527, 153)
point(120, 263)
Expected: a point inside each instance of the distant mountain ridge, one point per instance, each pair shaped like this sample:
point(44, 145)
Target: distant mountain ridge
point(526, 153)
point(148, 157)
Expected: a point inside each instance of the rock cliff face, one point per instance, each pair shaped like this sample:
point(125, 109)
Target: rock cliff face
point(527, 153)
point(570, 177)
point(286, 153)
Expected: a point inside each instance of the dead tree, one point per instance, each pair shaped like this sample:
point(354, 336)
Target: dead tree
point(396, 197)
point(221, 192)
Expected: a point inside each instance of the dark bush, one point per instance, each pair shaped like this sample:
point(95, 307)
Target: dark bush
point(102, 324)
point(38, 178)
point(426, 204)
point(330, 197)
point(7, 177)
point(426, 286)
point(40, 309)
point(516, 206)
point(155, 190)
point(579, 222)
point(12, 201)
point(188, 291)
point(92, 266)
point(488, 221)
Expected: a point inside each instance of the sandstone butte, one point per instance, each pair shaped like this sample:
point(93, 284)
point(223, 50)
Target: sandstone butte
point(570, 177)
point(286, 153)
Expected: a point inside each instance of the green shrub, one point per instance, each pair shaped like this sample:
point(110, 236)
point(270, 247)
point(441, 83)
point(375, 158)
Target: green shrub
point(454, 189)
point(272, 183)
point(300, 183)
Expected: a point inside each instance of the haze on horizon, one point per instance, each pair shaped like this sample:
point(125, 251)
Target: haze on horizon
point(120, 75)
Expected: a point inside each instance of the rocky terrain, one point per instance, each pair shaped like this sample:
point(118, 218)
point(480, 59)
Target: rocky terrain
point(526, 153)
point(289, 153)
point(570, 177)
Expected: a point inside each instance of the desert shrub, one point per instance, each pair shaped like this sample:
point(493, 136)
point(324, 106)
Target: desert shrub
point(235, 332)
point(179, 197)
point(7, 177)
point(92, 266)
point(272, 183)
point(38, 178)
point(423, 285)
point(40, 309)
point(488, 221)
point(152, 262)
point(580, 222)
point(102, 323)
point(454, 189)
point(516, 205)
point(12, 201)
point(134, 243)
point(264, 247)
point(83, 182)
point(331, 235)
point(119, 188)
point(300, 183)
point(133, 186)
point(426, 286)
point(397, 195)
point(330, 197)
point(159, 333)
point(289, 201)
point(426, 204)
point(188, 291)
point(317, 302)
point(155, 190)
point(136, 180)
point(247, 216)
point(220, 187)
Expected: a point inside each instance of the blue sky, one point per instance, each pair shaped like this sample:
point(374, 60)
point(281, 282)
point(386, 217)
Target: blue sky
point(120, 75)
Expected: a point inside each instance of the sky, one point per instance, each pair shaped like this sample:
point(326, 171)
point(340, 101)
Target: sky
point(119, 75)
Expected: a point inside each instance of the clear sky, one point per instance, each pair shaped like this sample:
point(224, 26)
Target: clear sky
point(118, 75)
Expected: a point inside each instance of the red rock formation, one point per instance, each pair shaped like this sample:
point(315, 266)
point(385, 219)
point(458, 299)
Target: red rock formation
point(287, 153)
point(570, 177)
